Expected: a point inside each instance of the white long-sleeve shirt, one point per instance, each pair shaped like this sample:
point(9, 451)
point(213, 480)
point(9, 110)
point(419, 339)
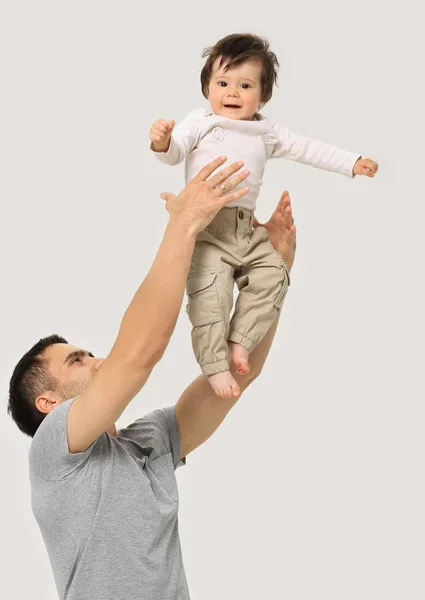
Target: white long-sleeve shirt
point(203, 136)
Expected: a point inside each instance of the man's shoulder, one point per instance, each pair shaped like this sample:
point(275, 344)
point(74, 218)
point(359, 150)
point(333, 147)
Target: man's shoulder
point(56, 418)
point(49, 456)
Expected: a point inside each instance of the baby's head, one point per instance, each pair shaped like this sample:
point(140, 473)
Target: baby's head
point(239, 75)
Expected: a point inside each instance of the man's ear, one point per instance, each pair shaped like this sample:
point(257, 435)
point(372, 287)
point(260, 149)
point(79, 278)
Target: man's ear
point(46, 402)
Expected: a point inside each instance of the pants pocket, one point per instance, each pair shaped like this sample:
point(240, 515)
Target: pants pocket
point(203, 305)
point(283, 288)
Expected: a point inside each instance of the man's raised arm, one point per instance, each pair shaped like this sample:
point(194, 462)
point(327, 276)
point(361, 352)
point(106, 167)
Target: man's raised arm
point(150, 319)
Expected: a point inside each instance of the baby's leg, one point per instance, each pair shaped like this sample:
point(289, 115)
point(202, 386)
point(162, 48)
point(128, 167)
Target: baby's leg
point(263, 283)
point(210, 299)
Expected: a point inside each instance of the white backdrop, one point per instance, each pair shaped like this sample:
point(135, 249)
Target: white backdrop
point(313, 487)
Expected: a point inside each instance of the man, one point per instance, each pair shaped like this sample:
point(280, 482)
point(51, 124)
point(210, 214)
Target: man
point(106, 501)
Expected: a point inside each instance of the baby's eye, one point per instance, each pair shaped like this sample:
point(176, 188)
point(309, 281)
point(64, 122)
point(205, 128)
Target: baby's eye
point(222, 83)
point(245, 86)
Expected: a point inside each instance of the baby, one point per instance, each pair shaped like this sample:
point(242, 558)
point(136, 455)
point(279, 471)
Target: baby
point(238, 79)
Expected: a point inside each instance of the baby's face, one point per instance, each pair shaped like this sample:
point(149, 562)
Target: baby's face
point(236, 93)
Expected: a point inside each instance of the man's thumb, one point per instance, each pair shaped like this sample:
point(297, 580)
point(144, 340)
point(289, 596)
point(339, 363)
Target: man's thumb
point(171, 126)
point(167, 196)
point(256, 223)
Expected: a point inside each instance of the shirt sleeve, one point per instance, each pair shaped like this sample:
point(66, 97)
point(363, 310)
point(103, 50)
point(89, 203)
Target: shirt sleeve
point(49, 455)
point(184, 138)
point(311, 152)
point(157, 432)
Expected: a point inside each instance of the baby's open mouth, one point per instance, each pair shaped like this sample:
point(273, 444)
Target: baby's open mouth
point(231, 106)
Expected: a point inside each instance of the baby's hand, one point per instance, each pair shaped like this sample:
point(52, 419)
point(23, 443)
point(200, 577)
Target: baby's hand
point(365, 166)
point(160, 135)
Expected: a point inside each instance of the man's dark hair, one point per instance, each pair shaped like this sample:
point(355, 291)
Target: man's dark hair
point(237, 48)
point(31, 377)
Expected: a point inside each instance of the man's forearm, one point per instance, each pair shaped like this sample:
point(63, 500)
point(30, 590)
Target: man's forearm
point(149, 321)
point(258, 356)
point(199, 412)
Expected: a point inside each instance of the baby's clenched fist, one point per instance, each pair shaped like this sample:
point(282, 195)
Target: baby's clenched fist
point(160, 134)
point(365, 166)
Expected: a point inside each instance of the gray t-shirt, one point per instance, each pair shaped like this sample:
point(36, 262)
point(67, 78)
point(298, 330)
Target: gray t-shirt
point(108, 516)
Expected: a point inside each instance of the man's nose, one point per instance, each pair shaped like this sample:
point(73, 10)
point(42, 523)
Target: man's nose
point(97, 363)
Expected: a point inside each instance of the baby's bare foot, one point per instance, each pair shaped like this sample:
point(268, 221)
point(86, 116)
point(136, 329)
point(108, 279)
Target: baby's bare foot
point(224, 385)
point(240, 356)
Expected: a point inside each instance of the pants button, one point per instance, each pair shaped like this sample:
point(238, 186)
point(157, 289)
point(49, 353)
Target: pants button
point(240, 215)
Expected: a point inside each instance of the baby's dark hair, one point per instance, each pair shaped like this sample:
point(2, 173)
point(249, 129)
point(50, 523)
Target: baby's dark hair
point(237, 48)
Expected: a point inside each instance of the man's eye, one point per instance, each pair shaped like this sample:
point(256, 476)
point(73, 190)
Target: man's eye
point(76, 359)
point(222, 83)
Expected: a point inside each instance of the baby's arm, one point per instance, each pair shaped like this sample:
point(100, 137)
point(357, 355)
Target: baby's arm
point(312, 152)
point(170, 144)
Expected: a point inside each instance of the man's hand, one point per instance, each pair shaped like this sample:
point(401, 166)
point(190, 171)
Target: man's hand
point(160, 134)
point(281, 230)
point(365, 166)
point(200, 201)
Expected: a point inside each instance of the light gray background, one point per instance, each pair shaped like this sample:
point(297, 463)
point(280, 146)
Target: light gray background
point(313, 488)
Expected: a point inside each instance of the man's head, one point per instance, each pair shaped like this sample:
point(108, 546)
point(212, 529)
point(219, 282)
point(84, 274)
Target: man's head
point(239, 75)
point(50, 373)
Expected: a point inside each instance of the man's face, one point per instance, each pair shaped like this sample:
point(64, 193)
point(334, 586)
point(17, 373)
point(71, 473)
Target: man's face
point(72, 367)
point(236, 93)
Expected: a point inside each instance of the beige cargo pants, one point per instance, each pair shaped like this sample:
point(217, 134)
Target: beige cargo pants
point(229, 250)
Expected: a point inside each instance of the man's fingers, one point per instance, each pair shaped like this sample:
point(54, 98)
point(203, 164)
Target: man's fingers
point(231, 183)
point(283, 202)
point(209, 169)
point(288, 219)
point(286, 205)
point(280, 207)
point(234, 196)
point(225, 174)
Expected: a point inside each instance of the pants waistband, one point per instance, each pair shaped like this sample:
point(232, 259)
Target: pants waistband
point(233, 219)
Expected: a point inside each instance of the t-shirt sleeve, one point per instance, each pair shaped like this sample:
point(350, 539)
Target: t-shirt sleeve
point(49, 455)
point(184, 137)
point(312, 152)
point(158, 433)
